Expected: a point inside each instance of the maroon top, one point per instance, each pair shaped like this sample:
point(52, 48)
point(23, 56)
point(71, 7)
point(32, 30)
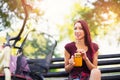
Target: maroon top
point(71, 48)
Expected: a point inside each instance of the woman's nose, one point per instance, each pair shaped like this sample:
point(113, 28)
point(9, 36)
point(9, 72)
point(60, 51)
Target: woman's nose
point(77, 30)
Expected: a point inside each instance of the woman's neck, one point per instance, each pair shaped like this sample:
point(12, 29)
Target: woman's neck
point(80, 44)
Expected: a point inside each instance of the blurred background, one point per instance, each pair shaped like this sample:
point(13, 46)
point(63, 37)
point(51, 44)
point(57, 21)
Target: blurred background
point(56, 17)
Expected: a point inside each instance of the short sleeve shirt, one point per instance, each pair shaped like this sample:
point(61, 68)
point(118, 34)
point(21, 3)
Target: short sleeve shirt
point(71, 48)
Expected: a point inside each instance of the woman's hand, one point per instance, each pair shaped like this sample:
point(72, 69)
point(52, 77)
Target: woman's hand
point(71, 61)
point(83, 53)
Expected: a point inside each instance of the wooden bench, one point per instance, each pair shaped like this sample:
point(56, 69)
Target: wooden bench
point(108, 64)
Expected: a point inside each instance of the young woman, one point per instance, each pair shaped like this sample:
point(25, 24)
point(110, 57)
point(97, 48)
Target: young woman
point(88, 51)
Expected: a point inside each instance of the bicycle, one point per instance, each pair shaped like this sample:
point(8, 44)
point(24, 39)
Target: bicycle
point(37, 67)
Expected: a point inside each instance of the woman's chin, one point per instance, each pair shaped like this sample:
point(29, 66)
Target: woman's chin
point(79, 38)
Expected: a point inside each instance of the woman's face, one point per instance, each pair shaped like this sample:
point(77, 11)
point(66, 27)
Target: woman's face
point(79, 32)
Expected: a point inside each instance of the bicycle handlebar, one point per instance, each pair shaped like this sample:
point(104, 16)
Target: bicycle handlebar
point(18, 37)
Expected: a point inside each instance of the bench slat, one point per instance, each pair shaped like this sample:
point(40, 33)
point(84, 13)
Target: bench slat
point(110, 70)
point(99, 57)
point(111, 77)
point(108, 62)
point(109, 56)
point(103, 62)
point(56, 74)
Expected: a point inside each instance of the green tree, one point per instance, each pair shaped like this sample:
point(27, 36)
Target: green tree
point(104, 15)
point(10, 9)
point(39, 45)
point(101, 17)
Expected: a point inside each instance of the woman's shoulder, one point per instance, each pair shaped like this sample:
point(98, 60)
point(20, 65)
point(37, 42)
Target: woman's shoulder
point(95, 46)
point(69, 44)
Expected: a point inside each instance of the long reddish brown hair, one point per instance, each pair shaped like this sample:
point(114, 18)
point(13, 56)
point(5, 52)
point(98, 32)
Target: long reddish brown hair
point(88, 40)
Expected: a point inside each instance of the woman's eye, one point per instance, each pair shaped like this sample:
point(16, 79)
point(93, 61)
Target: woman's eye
point(78, 28)
point(75, 28)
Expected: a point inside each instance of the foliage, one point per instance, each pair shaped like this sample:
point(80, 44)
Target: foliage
point(105, 14)
point(100, 18)
point(8, 9)
point(38, 45)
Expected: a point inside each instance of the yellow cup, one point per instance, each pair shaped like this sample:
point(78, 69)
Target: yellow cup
point(77, 60)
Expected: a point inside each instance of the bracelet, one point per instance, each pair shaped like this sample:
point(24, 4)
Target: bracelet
point(70, 64)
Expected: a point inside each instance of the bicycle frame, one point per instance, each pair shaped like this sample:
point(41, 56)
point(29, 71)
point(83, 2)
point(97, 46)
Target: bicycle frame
point(5, 61)
point(6, 52)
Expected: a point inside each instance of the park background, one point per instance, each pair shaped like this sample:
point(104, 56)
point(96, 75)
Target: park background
point(56, 17)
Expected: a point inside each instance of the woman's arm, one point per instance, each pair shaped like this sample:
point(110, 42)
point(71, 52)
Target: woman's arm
point(69, 62)
point(95, 61)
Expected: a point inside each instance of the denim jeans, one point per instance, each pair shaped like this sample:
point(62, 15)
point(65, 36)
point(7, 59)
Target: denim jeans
point(76, 79)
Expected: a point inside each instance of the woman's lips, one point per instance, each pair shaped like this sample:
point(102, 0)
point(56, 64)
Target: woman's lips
point(77, 35)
